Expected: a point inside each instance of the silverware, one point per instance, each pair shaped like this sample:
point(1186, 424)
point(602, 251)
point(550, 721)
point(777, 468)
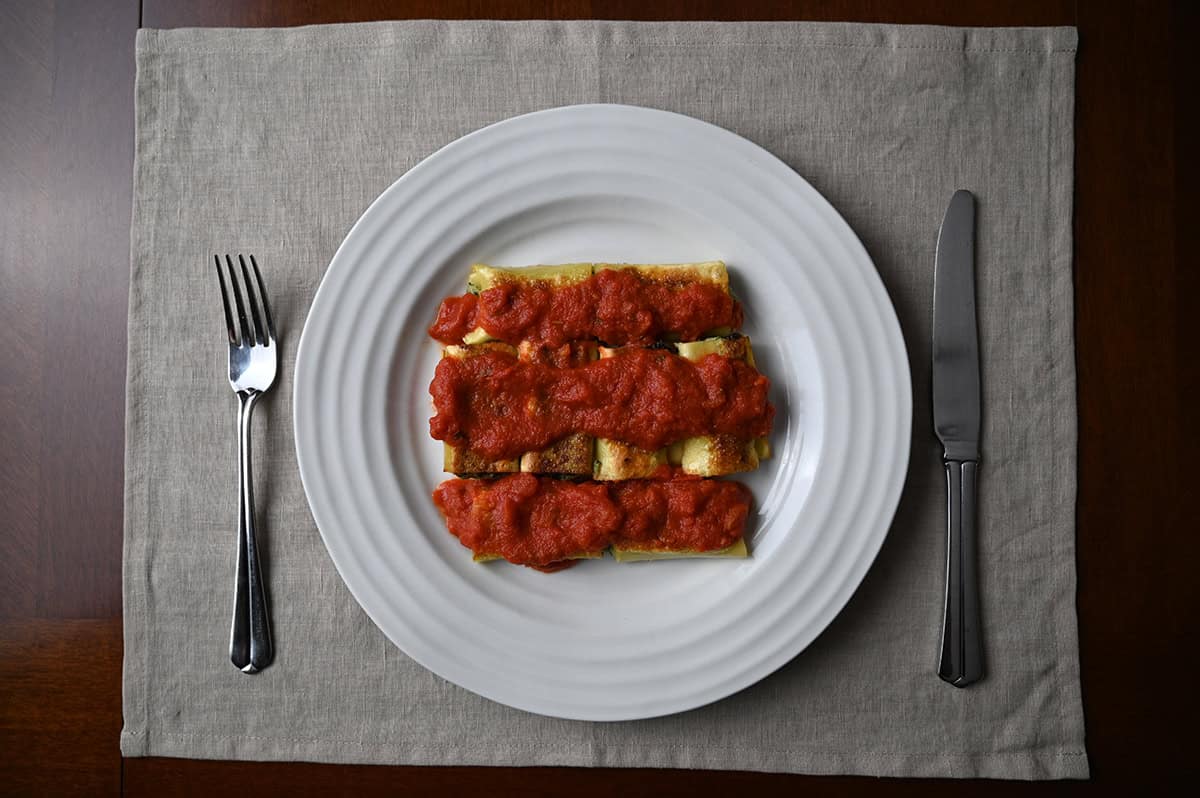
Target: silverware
point(253, 358)
point(956, 420)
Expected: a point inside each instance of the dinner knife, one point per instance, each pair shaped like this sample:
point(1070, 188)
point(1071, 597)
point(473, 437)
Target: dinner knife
point(956, 420)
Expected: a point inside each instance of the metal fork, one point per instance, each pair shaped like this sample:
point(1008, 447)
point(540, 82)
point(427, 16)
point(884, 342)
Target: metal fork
point(253, 358)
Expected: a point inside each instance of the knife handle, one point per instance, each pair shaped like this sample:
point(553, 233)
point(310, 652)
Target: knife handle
point(961, 661)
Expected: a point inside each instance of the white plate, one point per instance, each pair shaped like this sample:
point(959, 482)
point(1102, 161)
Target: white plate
point(604, 641)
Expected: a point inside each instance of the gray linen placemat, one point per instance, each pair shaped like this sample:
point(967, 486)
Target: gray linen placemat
point(274, 141)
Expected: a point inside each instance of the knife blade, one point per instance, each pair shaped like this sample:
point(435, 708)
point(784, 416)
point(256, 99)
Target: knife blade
point(957, 422)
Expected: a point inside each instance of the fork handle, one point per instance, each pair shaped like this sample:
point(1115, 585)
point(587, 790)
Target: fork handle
point(250, 646)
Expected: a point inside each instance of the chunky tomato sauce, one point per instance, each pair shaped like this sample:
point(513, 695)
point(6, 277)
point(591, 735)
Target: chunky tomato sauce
point(498, 406)
point(543, 522)
point(615, 306)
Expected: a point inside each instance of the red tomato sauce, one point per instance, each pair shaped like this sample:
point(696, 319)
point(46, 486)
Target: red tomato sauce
point(498, 406)
point(544, 522)
point(615, 306)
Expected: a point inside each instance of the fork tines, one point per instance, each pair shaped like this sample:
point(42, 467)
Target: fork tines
point(262, 330)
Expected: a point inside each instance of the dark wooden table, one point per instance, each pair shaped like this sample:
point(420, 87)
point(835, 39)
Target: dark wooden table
point(66, 150)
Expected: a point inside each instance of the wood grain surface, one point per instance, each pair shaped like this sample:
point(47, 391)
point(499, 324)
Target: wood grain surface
point(66, 150)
